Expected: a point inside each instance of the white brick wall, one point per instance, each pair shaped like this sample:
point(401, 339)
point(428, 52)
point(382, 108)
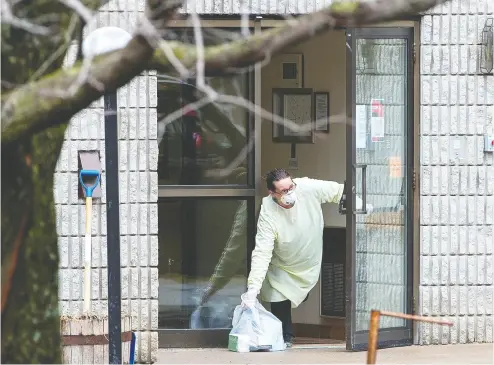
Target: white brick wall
point(138, 153)
point(457, 177)
point(253, 6)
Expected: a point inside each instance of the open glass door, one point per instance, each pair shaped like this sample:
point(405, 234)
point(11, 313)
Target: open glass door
point(379, 171)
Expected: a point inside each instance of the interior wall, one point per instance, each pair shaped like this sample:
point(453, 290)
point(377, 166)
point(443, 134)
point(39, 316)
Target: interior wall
point(324, 70)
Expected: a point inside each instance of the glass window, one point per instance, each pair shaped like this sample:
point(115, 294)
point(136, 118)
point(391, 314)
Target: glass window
point(203, 244)
point(205, 145)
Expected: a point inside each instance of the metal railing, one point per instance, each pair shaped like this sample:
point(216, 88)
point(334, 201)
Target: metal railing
point(374, 328)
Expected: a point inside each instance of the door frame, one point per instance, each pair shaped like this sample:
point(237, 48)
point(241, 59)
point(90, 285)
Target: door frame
point(357, 340)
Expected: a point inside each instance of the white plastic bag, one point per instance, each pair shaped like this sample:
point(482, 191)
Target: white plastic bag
point(255, 329)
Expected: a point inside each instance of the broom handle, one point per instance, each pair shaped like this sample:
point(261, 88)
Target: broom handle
point(87, 256)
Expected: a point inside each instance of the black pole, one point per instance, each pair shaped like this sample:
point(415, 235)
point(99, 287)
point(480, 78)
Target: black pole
point(113, 230)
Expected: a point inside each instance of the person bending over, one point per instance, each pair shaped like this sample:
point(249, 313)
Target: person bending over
point(286, 261)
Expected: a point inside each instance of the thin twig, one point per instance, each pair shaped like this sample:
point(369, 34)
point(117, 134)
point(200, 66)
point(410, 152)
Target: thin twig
point(9, 18)
point(80, 9)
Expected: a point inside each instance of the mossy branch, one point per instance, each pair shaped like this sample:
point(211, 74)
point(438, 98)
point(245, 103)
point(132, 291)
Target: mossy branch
point(34, 107)
point(51, 101)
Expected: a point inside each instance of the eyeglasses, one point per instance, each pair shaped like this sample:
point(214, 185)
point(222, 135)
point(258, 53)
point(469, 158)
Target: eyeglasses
point(286, 191)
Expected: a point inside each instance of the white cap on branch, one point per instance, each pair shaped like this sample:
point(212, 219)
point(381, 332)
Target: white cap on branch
point(103, 40)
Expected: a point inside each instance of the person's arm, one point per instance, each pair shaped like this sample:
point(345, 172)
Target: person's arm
point(261, 256)
point(325, 191)
point(331, 192)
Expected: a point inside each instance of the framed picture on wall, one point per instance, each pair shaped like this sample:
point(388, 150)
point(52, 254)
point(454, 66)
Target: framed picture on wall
point(294, 107)
point(321, 111)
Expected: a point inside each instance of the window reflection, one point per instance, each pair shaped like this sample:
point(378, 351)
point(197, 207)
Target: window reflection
point(201, 143)
point(203, 244)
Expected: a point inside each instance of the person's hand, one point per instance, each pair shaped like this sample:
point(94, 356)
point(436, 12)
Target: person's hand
point(359, 202)
point(206, 294)
point(249, 298)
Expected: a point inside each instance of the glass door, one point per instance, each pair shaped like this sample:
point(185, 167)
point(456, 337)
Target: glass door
point(379, 171)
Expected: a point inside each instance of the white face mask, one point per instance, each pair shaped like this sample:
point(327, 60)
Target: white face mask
point(289, 199)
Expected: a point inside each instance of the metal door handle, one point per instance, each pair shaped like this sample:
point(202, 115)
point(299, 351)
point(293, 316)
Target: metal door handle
point(364, 189)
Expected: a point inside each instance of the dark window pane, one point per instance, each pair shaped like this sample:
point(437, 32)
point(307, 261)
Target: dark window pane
point(203, 242)
point(199, 145)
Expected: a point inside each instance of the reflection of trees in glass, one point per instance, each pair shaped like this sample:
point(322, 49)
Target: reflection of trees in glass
point(231, 265)
point(366, 55)
point(381, 74)
point(202, 241)
point(235, 86)
point(205, 139)
point(234, 254)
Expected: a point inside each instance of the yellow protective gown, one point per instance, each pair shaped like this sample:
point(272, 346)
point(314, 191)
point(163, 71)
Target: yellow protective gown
point(286, 261)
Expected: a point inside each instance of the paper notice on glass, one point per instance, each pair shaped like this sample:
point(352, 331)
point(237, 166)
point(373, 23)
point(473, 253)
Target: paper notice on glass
point(361, 126)
point(395, 167)
point(377, 120)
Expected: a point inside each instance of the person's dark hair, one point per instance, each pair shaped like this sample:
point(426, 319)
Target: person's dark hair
point(275, 175)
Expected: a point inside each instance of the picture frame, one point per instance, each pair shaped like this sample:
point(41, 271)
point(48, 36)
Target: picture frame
point(321, 111)
point(295, 105)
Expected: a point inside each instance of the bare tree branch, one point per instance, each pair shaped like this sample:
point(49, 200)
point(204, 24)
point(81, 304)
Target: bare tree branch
point(9, 18)
point(59, 52)
point(247, 51)
point(79, 8)
point(42, 38)
point(112, 71)
point(30, 108)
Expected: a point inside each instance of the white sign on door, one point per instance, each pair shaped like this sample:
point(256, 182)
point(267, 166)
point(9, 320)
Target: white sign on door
point(377, 120)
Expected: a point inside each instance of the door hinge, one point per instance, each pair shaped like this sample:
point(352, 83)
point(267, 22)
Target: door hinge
point(414, 53)
point(414, 180)
point(414, 305)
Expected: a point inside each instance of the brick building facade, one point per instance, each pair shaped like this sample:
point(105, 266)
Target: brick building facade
point(456, 180)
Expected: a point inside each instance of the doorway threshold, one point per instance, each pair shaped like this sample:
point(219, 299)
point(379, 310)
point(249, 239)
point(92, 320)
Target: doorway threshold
point(315, 346)
point(317, 343)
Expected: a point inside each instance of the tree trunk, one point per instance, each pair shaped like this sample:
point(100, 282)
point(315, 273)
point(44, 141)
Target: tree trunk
point(30, 318)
